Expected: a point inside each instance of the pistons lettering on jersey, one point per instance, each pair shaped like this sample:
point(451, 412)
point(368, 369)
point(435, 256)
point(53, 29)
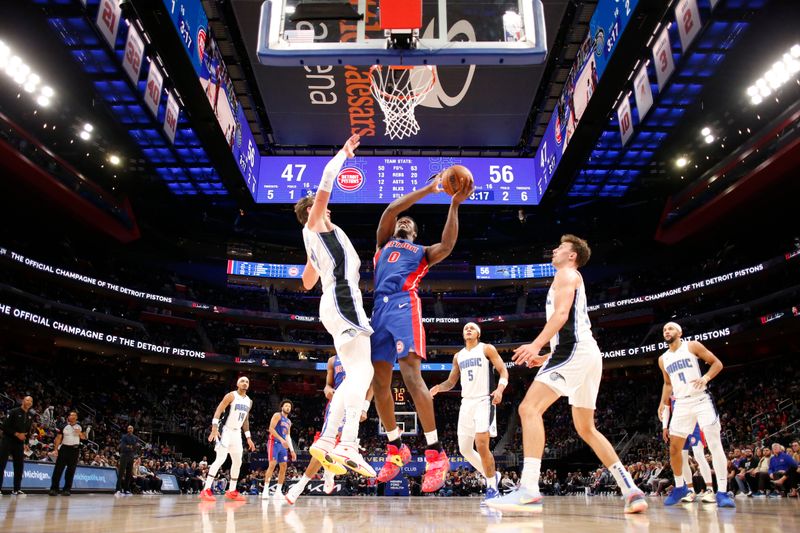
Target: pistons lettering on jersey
point(404, 245)
point(468, 363)
point(680, 364)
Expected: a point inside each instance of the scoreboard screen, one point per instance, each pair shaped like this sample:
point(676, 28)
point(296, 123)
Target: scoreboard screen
point(379, 180)
point(532, 271)
point(264, 270)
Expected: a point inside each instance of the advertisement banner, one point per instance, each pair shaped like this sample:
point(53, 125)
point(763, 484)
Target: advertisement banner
point(153, 89)
point(625, 120)
point(642, 92)
point(662, 57)
point(108, 19)
point(315, 488)
point(171, 117)
point(397, 487)
point(38, 476)
point(169, 484)
point(687, 17)
point(134, 52)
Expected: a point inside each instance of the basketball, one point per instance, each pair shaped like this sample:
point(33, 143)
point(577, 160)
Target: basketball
point(456, 178)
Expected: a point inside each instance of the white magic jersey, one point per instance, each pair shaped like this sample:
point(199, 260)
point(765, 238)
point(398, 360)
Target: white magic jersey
point(476, 372)
point(578, 327)
point(683, 367)
point(237, 411)
point(337, 263)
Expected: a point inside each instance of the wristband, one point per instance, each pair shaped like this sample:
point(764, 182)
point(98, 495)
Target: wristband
point(247, 434)
point(215, 421)
point(366, 406)
point(503, 382)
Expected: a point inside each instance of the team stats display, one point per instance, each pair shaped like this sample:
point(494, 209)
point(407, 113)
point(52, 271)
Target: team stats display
point(532, 271)
point(264, 270)
point(379, 180)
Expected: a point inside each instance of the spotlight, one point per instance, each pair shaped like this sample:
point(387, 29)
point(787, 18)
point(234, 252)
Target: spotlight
point(709, 139)
point(114, 159)
point(705, 132)
point(756, 99)
point(43, 101)
point(795, 50)
point(48, 91)
point(88, 127)
point(681, 162)
point(85, 135)
point(752, 90)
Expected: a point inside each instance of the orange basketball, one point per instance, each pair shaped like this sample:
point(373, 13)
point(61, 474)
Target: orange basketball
point(455, 179)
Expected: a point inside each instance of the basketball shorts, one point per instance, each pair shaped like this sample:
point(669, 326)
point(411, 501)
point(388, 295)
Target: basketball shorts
point(574, 371)
point(343, 316)
point(477, 415)
point(230, 441)
point(276, 451)
point(397, 324)
point(690, 412)
point(695, 439)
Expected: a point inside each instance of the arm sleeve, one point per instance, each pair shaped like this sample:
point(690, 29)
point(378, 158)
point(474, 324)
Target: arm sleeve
point(331, 171)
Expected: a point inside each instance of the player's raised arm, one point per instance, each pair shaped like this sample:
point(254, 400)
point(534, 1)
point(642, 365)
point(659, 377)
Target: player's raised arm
point(226, 401)
point(705, 354)
point(317, 219)
point(450, 382)
point(497, 362)
point(393, 210)
point(564, 284)
point(438, 252)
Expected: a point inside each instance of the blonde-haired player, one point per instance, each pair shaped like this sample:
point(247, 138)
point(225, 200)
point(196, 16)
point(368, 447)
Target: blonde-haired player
point(683, 379)
point(236, 405)
point(477, 421)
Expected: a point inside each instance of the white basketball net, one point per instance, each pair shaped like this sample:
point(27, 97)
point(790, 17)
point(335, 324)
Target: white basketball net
point(398, 90)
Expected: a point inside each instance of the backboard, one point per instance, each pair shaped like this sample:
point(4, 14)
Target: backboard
point(406, 422)
point(499, 32)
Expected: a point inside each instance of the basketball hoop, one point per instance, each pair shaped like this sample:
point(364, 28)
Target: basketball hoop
point(398, 90)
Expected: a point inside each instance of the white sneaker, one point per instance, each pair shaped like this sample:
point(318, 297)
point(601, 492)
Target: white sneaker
point(265, 493)
point(709, 496)
point(690, 497)
point(322, 451)
point(329, 482)
point(293, 493)
point(278, 494)
point(347, 454)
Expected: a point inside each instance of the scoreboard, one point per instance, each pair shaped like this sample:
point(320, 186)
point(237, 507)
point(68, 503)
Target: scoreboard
point(264, 270)
point(379, 180)
point(535, 270)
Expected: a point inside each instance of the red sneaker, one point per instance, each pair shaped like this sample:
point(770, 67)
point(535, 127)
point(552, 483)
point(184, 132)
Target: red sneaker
point(396, 458)
point(436, 470)
point(207, 496)
point(235, 496)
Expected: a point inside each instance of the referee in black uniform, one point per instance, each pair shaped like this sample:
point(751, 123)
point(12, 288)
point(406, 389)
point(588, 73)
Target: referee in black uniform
point(15, 431)
point(67, 446)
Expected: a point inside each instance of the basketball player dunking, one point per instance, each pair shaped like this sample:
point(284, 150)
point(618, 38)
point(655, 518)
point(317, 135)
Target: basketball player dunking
point(680, 366)
point(477, 421)
point(236, 407)
point(696, 442)
point(400, 264)
point(334, 262)
point(279, 448)
point(572, 368)
point(334, 377)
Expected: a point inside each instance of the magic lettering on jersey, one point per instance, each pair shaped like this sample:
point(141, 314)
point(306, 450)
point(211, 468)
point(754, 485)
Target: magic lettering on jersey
point(679, 365)
point(468, 363)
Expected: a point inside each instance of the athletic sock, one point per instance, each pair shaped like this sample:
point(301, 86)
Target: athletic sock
point(303, 482)
point(208, 483)
point(431, 437)
point(393, 436)
point(679, 482)
point(622, 477)
point(531, 467)
point(232, 485)
point(491, 482)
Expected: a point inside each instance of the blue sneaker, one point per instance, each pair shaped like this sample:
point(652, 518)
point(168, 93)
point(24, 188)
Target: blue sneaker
point(520, 500)
point(490, 494)
point(724, 500)
point(676, 495)
point(635, 502)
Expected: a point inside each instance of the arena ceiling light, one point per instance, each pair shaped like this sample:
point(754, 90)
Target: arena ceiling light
point(114, 159)
point(681, 162)
point(782, 71)
point(22, 74)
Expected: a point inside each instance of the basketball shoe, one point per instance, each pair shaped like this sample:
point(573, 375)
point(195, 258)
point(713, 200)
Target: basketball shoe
point(521, 500)
point(322, 452)
point(235, 495)
point(328, 482)
point(207, 496)
point(396, 458)
point(347, 454)
point(690, 497)
point(724, 500)
point(708, 496)
point(676, 495)
point(492, 492)
point(635, 502)
point(294, 492)
point(435, 471)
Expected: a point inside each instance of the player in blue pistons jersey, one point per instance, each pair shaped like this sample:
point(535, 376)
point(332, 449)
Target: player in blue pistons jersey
point(400, 264)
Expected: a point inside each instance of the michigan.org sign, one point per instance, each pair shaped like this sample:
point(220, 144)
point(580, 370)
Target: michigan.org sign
point(38, 476)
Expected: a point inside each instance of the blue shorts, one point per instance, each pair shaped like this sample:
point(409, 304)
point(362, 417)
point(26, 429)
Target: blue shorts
point(695, 438)
point(276, 451)
point(397, 324)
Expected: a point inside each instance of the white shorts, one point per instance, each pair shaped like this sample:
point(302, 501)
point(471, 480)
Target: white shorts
point(575, 374)
point(342, 329)
point(691, 411)
point(230, 441)
point(477, 415)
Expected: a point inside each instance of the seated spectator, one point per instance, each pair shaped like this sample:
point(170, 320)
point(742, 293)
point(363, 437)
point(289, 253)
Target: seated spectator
point(783, 470)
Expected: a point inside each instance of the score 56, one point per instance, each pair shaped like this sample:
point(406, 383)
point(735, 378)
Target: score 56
point(499, 173)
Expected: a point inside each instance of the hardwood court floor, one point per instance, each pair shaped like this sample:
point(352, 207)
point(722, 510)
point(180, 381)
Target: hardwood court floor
point(185, 514)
